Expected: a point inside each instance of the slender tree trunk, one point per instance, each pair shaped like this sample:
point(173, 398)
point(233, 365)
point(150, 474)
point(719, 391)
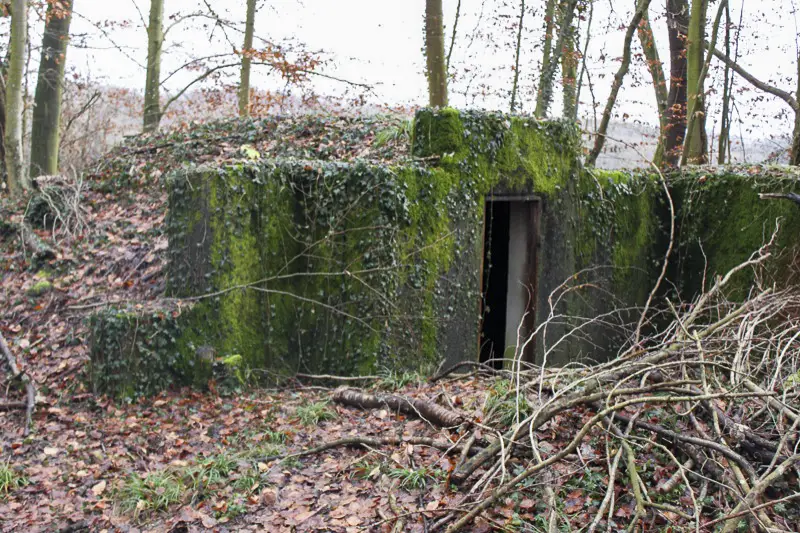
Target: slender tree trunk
point(567, 13)
point(434, 52)
point(155, 41)
point(695, 116)
point(725, 123)
point(583, 56)
point(3, 85)
point(549, 29)
point(656, 69)
point(795, 155)
point(695, 149)
point(677, 22)
point(453, 35)
point(244, 84)
point(46, 125)
point(569, 74)
point(600, 136)
point(516, 55)
point(18, 181)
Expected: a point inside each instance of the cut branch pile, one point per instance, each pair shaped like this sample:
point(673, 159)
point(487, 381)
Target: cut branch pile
point(715, 394)
point(699, 427)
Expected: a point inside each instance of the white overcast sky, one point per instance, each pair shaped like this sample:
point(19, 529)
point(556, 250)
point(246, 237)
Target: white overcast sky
point(379, 42)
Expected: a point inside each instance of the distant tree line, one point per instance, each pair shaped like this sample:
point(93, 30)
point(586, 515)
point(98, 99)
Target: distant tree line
point(679, 93)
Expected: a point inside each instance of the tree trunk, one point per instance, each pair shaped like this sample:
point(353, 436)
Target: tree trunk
point(725, 122)
point(696, 145)
point(647, 40)
point(677, 22)
point(244, 84)
point(3, 85)
point(434, 52)
point(600, 135)
point(566, 14)
point(18, 181)
point(569, 74)
point(549, 28)
point(795, 155)
point(46, 126)
point(155, 40)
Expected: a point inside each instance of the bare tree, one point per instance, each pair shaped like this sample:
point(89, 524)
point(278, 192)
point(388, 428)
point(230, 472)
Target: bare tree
point(46, 125)
point(600, 135)
point(434, 52)
point(18, 180)
point(547, 48)
point(569, 74)
point(247, 50)
point(520, 26)
point(725, 119)
point(656, 69)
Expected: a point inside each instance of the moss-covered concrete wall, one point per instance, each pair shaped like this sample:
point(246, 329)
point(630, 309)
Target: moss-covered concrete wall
point(721, 221)
point(350, 267)
point(602, 225)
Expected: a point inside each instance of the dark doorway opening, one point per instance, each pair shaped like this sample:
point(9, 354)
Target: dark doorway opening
point(495, 282)
point(509, 278)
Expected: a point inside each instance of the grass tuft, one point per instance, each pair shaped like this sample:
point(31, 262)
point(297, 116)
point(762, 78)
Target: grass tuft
point(413, 478)
point(313, 413)
point(142, 496)
point(10, 480)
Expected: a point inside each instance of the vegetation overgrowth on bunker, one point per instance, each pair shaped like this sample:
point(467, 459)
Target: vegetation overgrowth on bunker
point(347, 265)
point(722, 221)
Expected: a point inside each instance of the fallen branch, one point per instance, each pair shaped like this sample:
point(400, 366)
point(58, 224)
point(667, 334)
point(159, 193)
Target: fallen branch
point(30, 391)
point(369, 442)
point(11, 406)
point(39, 249)
point(428, 411)
point(329, 377)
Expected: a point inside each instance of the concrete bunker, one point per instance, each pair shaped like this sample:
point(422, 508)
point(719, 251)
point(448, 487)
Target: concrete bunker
point(353, 266)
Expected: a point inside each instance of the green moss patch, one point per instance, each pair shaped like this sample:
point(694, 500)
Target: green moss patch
point(722, 221)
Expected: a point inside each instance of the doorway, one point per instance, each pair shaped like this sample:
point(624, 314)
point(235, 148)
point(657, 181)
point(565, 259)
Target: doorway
point(509, 277)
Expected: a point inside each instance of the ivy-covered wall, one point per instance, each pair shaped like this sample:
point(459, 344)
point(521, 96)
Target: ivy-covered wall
point(348, 267)
point(721, 221)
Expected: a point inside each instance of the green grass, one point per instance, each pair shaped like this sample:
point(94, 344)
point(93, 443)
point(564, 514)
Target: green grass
point(394, 133)
point(10, 480)
point(313, 413)
point(212, 470)
point(393, 380)
point(249, 482)
point(500, 407)
point(142, 496)
point(413, 478)
point(364, 469)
